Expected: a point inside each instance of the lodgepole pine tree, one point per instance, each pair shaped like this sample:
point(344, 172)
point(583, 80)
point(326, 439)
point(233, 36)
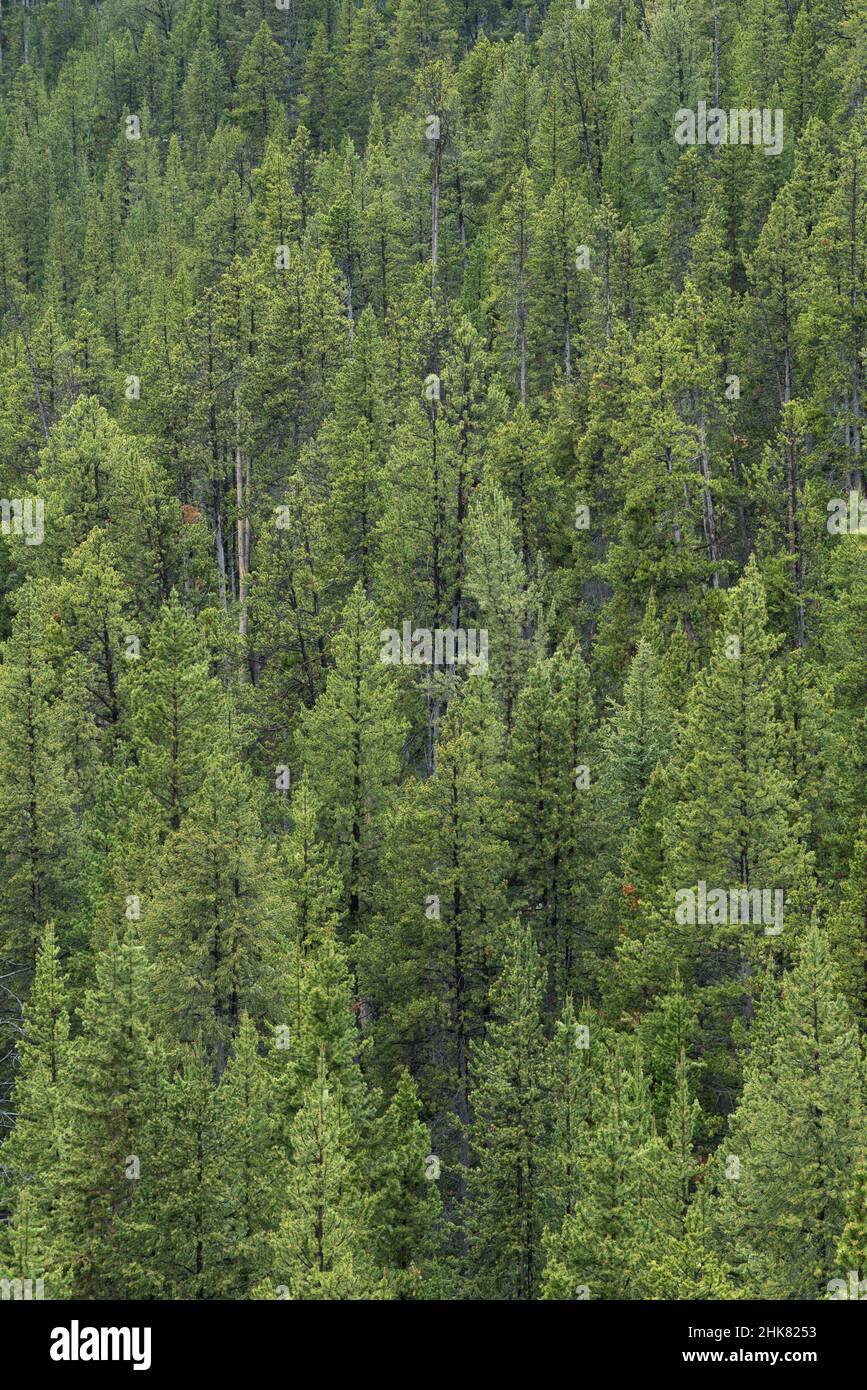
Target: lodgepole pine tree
point(408, 1212)
point(174, 706)
point(40, 837)
point(428, 964)
point(211, 924)
point(592, 1256)
point(852, 1247)
point(322, 1248)
point(730, 820)
point(110, 1092)
point(551, 759)
point(30, 1158)
point(507, 1184)
point(847, 931)
point(797, 1134)
point(349, 745)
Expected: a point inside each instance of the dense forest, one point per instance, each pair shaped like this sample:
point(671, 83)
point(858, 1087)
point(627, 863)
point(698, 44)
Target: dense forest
point(433, 605)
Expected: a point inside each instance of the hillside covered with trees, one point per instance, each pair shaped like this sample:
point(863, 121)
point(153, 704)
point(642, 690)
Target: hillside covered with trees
point(433, 605)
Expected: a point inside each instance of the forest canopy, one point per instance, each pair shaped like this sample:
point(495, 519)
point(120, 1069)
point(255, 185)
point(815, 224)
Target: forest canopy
point(433, 649)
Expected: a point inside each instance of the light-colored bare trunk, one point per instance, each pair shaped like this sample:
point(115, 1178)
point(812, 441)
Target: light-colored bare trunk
point(243, 527)
point(435, 209)
point(708, 517)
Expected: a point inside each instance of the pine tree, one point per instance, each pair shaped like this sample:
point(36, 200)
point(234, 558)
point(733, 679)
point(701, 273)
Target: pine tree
point(322, 1248)
point(39, 834)
point(211, 926)
point(428, 964)
point(174, 706)
point(688, 1266)
point(847, 931)
point(852, 1247)
point(573, 1056)
point(325, 1029)
point(593, 1255)
point(507, 1184)
point(796, 1135)
point(314, 889)
point(743, 833)
point(637, 736)
point(30, 1158)
point(260, 83)
point(110, 1090)
point(349, 746)
point(508, 602)
point(176, 1230)
point(408, 1212)
point(552, 755)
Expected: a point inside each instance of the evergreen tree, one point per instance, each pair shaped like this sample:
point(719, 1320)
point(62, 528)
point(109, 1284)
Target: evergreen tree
point(211, 926)
point(349, 746)
point(852, 1249)
point(322, 1248)
point(552, 757)
point(508, 1182)
point(408, 1213)
point(110, 1093)
point(593, 1255)
point(30, 1159)
point(796, 1136)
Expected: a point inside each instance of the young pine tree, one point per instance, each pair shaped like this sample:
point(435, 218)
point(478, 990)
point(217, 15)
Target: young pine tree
point(111, 1091)
point(797, 1135)
point(508, 1183)
point(322, 1248)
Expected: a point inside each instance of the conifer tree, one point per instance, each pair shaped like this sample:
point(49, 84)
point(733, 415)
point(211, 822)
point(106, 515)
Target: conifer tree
point(325, 1028)
point(260, 83)
point(442, 910)
point(251, 1167)
point(847, 931)
point(211, 926)
point(552, 758)
point(110, 1092)
point(507, 1184)
point(593, 1255)
point(408, 1212)
point(322, 1248)
point(508, 602)
point(637, 737)
point(852, 1248)
point(39, 834)
point(349, 746)
point(688, 1265)
point(573, 1055)
point(797, 1135)
point(733, 825)
point(174, 706)
point(176, 1226)
point(30, 1158)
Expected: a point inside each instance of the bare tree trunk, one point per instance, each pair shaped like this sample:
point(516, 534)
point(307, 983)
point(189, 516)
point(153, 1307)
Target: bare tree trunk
point(522, 307)
point(675, 524)
point(462, 227)
point(435, 205)
point(219, 546)
point(708, 517)
point(793, 532)
point(243, 528)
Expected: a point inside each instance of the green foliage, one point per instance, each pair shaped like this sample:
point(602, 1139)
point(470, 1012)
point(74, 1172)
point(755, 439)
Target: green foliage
point(432, 556)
